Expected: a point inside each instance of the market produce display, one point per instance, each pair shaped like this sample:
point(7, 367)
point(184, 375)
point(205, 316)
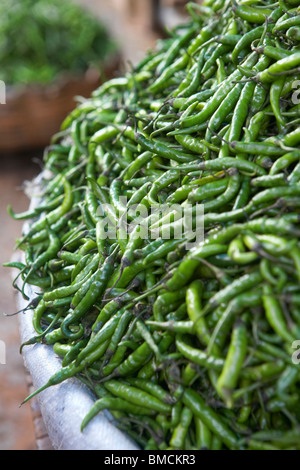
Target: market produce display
point(41, 39)
point(188, 347)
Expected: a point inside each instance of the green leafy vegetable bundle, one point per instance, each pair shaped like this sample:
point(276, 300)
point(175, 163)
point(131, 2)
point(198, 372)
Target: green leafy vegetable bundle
point(40, 40)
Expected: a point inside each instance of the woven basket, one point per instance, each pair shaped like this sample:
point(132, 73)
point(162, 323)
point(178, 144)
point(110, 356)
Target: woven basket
point(32, 114)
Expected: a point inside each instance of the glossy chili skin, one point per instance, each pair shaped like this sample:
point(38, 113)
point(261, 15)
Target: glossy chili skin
point(187, 347)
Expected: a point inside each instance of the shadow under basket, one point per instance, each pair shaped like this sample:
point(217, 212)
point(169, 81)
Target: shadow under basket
point(33, 114)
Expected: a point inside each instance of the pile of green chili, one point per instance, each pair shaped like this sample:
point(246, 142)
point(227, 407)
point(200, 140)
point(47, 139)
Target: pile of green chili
point(189, 348)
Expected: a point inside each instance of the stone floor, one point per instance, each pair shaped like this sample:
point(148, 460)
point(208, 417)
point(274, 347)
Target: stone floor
point(16, 424)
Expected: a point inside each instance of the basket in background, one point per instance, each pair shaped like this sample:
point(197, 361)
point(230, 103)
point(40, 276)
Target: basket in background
point(33, 114)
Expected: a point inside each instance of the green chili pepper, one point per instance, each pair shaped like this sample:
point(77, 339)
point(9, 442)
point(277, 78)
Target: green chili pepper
point(136, 396)
point(233, 364)
point(209, 417)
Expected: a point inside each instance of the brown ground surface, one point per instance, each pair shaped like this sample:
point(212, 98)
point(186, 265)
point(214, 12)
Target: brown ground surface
point(16, 424)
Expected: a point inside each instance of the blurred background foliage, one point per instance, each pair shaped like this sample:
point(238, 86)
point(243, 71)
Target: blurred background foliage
point(40, 39)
